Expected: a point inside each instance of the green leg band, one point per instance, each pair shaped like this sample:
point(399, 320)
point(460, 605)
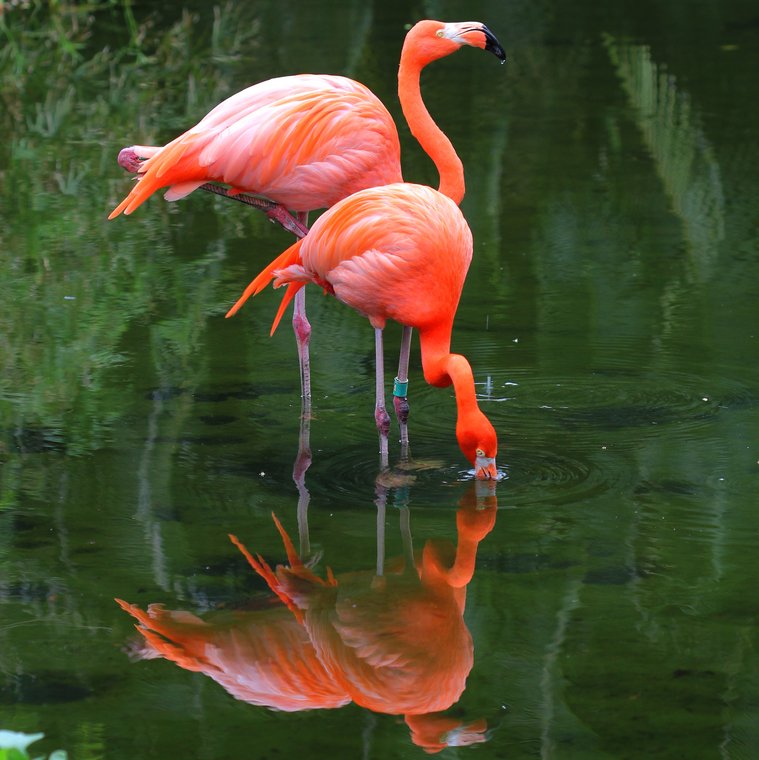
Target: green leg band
point(400, 388)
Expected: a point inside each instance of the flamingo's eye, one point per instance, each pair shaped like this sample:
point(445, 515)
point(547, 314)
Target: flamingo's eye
point(480, 453)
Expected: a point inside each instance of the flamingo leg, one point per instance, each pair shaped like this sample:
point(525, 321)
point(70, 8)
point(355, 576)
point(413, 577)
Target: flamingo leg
point(400, 388)
point(381, 417)
point(301, 326)
point(302, 329)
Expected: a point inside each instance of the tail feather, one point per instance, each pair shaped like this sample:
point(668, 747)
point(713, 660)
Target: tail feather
point(174, 651)
point(287, 258)
point(262, 567)
point(292, 556)
point(121, 207)
point(183, 189)
point(290, 293)
point(136, 612)
point(169, 166)
point(163, 622)
point(166, 636)
point(292, 583)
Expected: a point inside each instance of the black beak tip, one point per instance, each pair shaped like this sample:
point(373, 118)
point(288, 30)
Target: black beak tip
point(497, 50)
point(492, 44)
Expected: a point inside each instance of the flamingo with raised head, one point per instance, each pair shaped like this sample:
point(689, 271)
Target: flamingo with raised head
point(303, 143)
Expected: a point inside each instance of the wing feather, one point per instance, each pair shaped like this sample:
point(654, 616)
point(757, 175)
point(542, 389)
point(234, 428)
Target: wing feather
point(304, 141)
point(381, 248)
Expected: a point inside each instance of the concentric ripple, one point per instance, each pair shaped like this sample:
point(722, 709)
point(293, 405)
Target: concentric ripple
point(539, 476)
point(606, 401)
point(563, 437)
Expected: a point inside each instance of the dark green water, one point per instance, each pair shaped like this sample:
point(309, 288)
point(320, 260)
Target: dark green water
point(611, 317)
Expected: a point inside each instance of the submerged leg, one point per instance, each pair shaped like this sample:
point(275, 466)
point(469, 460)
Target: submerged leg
point(404, 514)
point(400, 389)
point(381, 417)
point(302, 463)
point(381, 503)
point(302, 329)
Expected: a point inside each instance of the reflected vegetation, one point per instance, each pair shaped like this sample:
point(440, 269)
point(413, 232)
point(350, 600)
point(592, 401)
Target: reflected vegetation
point(685, 159)
point(73, 286)
point(391, 639)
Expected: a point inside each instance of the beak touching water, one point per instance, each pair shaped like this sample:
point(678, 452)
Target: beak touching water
point(485, 469)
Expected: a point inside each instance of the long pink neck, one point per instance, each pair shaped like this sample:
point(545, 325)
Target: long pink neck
point(432, 139)
point(441, 368)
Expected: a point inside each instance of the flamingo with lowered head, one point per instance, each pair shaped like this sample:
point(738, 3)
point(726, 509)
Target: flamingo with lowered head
point(398, 252)
point(397, 643)
point(304, 142)
point(394, 641)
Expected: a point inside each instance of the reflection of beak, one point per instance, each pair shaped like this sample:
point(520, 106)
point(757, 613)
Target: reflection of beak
point(485, 469)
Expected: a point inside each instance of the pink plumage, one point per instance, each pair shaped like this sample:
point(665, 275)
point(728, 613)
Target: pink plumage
point(303, 141)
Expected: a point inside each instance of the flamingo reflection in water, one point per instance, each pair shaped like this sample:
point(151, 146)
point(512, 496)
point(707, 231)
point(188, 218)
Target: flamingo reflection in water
point(395, 642)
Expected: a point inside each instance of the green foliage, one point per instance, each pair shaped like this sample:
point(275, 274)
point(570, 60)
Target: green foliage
point(74, 81)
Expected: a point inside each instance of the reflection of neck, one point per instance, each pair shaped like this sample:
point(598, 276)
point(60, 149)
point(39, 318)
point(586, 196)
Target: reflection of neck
point(434, 142)
point(474, 520)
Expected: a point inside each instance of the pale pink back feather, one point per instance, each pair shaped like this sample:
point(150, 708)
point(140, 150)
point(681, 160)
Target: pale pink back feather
point(303, 141)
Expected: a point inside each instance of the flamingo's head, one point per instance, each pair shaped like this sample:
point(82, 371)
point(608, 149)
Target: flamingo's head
point(431, 40)
point(479, 443)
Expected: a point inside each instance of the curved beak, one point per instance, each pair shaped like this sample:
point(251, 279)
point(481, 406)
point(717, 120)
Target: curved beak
point(492, 44)
point(485, 469)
